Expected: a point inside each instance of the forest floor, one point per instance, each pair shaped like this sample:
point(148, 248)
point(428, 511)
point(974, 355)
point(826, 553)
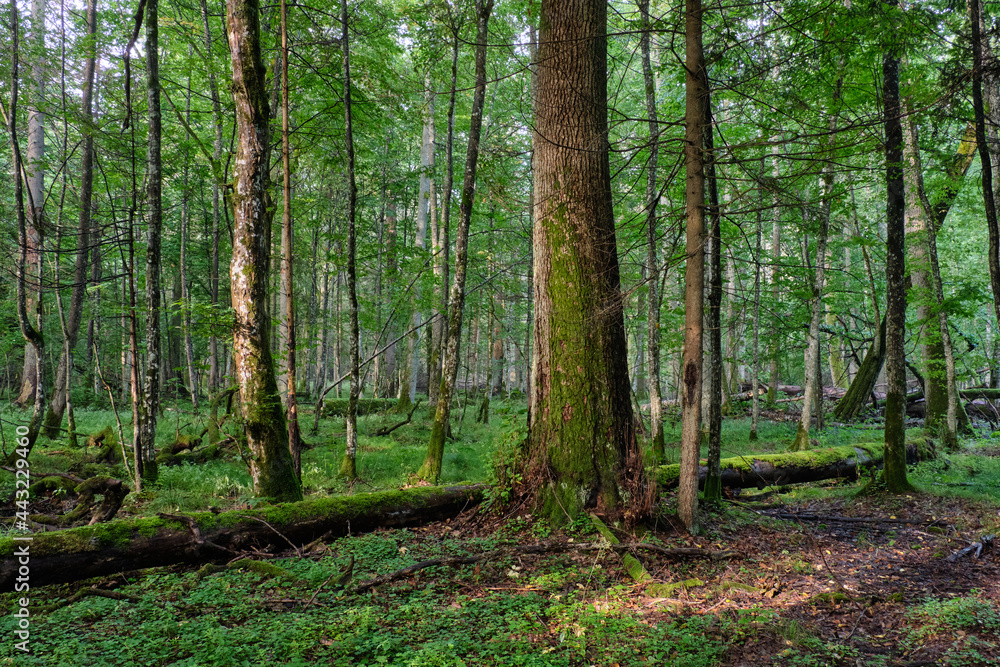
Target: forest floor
point(818, 576)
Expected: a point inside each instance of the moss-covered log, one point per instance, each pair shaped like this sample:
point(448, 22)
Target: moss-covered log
point(798, 467)
point(366, 406)
point(130, 544)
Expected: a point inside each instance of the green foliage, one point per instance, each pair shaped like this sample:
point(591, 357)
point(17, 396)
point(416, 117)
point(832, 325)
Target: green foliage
point(507, 458)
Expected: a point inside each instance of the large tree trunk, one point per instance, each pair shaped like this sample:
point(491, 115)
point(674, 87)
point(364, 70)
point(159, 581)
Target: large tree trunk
point(264, 419)
point(697, 98)
point(581, 432)
point(894, 472)
point(652, 269)
point(110, 548)
point(349, 466)
point(431, 468)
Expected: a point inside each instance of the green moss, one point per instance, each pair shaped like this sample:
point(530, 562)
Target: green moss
point(667, 590)
point(829, 598)
point(53, 484)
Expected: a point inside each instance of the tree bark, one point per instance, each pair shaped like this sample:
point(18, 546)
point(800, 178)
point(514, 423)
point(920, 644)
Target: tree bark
point(652, 269)
point(581, 433)
point(713, 490)
point(287, 256)
point(696, 99)
point(348, 467)
point(154, 183)
point(894, 472)
point(264, 419)
point(431, 468)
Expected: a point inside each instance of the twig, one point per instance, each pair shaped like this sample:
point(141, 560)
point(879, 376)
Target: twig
point(298, 551)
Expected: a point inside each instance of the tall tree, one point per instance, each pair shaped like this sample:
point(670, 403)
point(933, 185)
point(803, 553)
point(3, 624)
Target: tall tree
point(696, 86)
point(32, 336)
point(34, 169)
point(431, 468)
point(263, 416)
point(581, 433)
point(894, 472)
point(154, 207)
point(287, 283)
point(62, 386)
point(652, 269)
point(349, 466)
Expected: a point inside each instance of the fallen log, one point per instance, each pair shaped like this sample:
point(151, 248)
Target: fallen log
point(811, 465)
point(130, 544)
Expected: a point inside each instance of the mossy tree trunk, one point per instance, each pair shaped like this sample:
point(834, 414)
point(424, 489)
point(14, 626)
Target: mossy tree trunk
point(580, 425)
point(857, 395)
point(263, 415)
point(348, 467)
point(431, 468)
point(894, 472)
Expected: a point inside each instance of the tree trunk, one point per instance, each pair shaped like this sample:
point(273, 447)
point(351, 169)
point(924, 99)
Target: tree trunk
point(652, 269)
point(696, 99)
point(32, 336)
point(894, 472)
point(93, 551)
point(581, 441)
point(287, 256)
point(713, 489)
point(62, 386)
point(214, 372)
point(431, 468)
point(34, 177)
point(348, 467)
point(264, 419)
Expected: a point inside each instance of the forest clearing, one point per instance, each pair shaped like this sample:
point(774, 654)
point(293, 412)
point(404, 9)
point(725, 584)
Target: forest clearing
point(554, 332)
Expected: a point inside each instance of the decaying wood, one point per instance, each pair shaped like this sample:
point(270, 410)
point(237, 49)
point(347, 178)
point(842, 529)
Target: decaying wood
point(796, 516)
point(129, 544)
point(977, 548)
point(759, 471)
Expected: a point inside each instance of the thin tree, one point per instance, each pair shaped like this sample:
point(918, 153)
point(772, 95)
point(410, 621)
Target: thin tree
point(894, 472)
point(32, 336)
point(264, 419)
point(431, 468)
point(287, 283)
point(348, 467)
point(62, 386)
point(652, 269)
point(691, 383)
